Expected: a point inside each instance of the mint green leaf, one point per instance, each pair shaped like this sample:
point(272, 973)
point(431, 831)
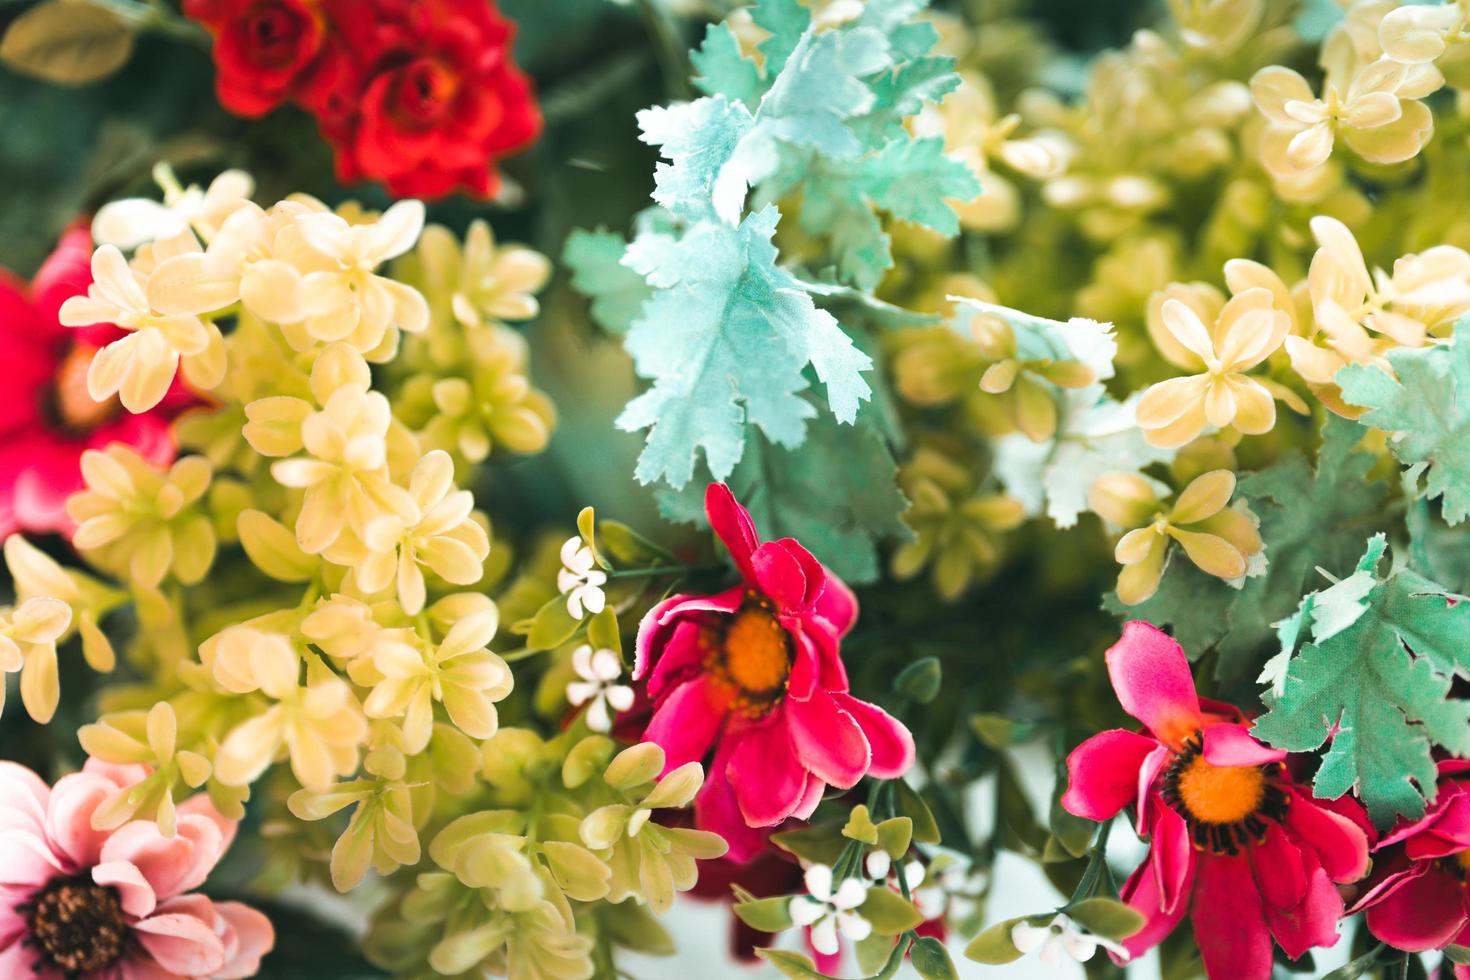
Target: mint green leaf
point(838, 495)
point(726, 339)
point(617, 293)
point(698, 139)
point(1343, 603)
point(1427, 410)
point(1305, 514)
point(723, 70)
point(787, 21)
point(1383, 685)
point(902, 92)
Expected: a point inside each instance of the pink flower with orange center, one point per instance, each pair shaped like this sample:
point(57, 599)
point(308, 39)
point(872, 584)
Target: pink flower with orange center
point(754, 676)
point(1235, 843)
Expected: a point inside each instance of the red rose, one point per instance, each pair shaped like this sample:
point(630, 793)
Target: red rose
point(263, 48)
point(441, 99)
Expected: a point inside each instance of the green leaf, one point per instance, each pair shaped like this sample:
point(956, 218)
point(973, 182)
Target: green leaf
point(895, 835)
point(931, 959)
point(911, 805)
point(1357, 967)
point(1383, 683)
point(617, 293)
point(635, 927)
point(697, 138)
point(795, 965)
point(820, 843)
point(1459, 955)
point(1106, 917)
point(860, 826)
point(726, 340)
point(1304, 512)
point(68, 42)
point(551, 626)
point(628, 546)
point(994, 945)
point(603, 632)
point(1000, 732)
point(766, 914)
point(889, 912)
point(786, 20)
point(1426, 413)
point(920, 680)
point(723, 70)
point(838, 495)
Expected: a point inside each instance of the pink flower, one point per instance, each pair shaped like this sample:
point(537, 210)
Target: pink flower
point(83, 904)
point(1235, 842)
point(754, 674)
point(1417, 898)
point(47, 419)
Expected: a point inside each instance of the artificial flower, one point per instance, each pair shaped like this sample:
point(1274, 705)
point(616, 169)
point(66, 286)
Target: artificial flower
point(1061, 938)
point(580, 580)
point(754, 675)
point(1234, 841)
point(28, 635)
point(1218, 539)
point(85, 904)
point(828, 911)
point(597, 687)
point(263, 51)
point(135, 221)
point(47, 416)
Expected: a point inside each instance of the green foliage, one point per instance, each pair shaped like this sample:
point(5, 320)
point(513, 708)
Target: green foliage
point(1309, 517)
point(931, 960)
point(920, 680)
point(994, 945)
point(1427, 410)
point(836, 495)
point(617, 292)
point(1377, 689)
point(1106, 917)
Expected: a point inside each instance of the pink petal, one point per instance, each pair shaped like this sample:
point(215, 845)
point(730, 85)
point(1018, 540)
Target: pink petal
point(1171, 853)
point(171, 865)
point(1229, 923)
point(1102, 773)
point(23, 798)
point(686, 722)
point(248, 936)
point(828, 740)
point(67, 272)
point(181, 942)
point(779, 575)
point(1340, 845)
point(892, 744)
point(1425, 912)
point(1141, 892)
point(683, 654)
point(812, 571)
point(28, 859)
point(69, 817)
point(138, 899)
point(201, 805)
point(765, 774)
point(835, 604)
point(1389, 875)
point(816, 663)
point(732, 524)
point(810, 798)
point(1148, 774)
point(1280, 872)
point(716, 810)
point(19, 960)
point(1151, 677)
point(661, 617)
point(1226, 744)
point(1312, 922)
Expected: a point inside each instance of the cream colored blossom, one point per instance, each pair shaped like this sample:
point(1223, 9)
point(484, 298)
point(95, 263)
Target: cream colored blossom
point(133, 221)
point(1376, 111)
point(442, 536)
point(1216, 27)
point(37, 575)
point(1417, 34)
point(459, 672)
point(1218, 539)
point(1247, 330)
point(150, 739)
point(140, 367)
point(481, 283)
point(144, 522)
point(28, 635)
point(319, 723)
point(381, 833)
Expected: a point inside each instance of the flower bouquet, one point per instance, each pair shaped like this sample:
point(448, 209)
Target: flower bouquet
point(825, 488)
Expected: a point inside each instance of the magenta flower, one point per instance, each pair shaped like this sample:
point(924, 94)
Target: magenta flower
point(83, 904)
point(47, 419)
point(754, 674)
point(1417, 898)
point(1235, 842)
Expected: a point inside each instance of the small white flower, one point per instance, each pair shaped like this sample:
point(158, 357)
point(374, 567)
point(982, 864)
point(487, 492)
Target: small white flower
point(827, 911)
point(1059, 938)
point(580, 580)
point(135, 221)
point(598, 689)
point(879, 865)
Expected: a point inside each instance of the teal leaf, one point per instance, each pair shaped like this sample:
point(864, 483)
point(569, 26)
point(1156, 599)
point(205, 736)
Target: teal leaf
point(698, 139)
point(617, 293)
point(726, 340)
point(787, 21)
point(1377, 694)
point(723, 70)
point(838, 495)
point(1427, 412)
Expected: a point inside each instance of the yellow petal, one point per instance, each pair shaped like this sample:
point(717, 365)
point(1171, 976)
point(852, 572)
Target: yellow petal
point(1214, 555)
point(1206, 494)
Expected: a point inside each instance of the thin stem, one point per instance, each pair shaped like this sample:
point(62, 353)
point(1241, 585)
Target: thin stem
point(668, 49)
point(655, 570)
point(1097, 860)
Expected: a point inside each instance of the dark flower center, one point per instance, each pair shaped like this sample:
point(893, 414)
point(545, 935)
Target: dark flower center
point(426, 88)
point(77, 925)
point(1227, 807)
point(273, 31)
point(752, 652)
point(69, 403)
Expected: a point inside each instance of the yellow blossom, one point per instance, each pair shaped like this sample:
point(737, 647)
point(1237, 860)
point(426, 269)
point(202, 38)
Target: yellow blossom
point(147, 738)
point(1218, 539)
point(28, 635)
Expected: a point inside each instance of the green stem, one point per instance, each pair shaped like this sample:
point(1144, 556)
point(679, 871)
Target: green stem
point(1097, 860)
point(668, 49)
point(656, 570)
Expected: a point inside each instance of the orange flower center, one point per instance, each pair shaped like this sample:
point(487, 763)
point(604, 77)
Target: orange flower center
point(1227, 807)
point(71, 403)
point(1462, 860)
point(757, 651)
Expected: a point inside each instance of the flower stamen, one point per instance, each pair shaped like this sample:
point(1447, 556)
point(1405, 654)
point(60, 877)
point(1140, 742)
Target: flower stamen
point(1227, 807)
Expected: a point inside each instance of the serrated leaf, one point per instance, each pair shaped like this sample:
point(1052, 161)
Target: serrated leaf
point(1378, 691)
point(698, 139)
point(722, 70)
point(726, 340)
point(1427, 412)
point(68, 42)
point(786, 21)
point(838, 495)
point(616, 292)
